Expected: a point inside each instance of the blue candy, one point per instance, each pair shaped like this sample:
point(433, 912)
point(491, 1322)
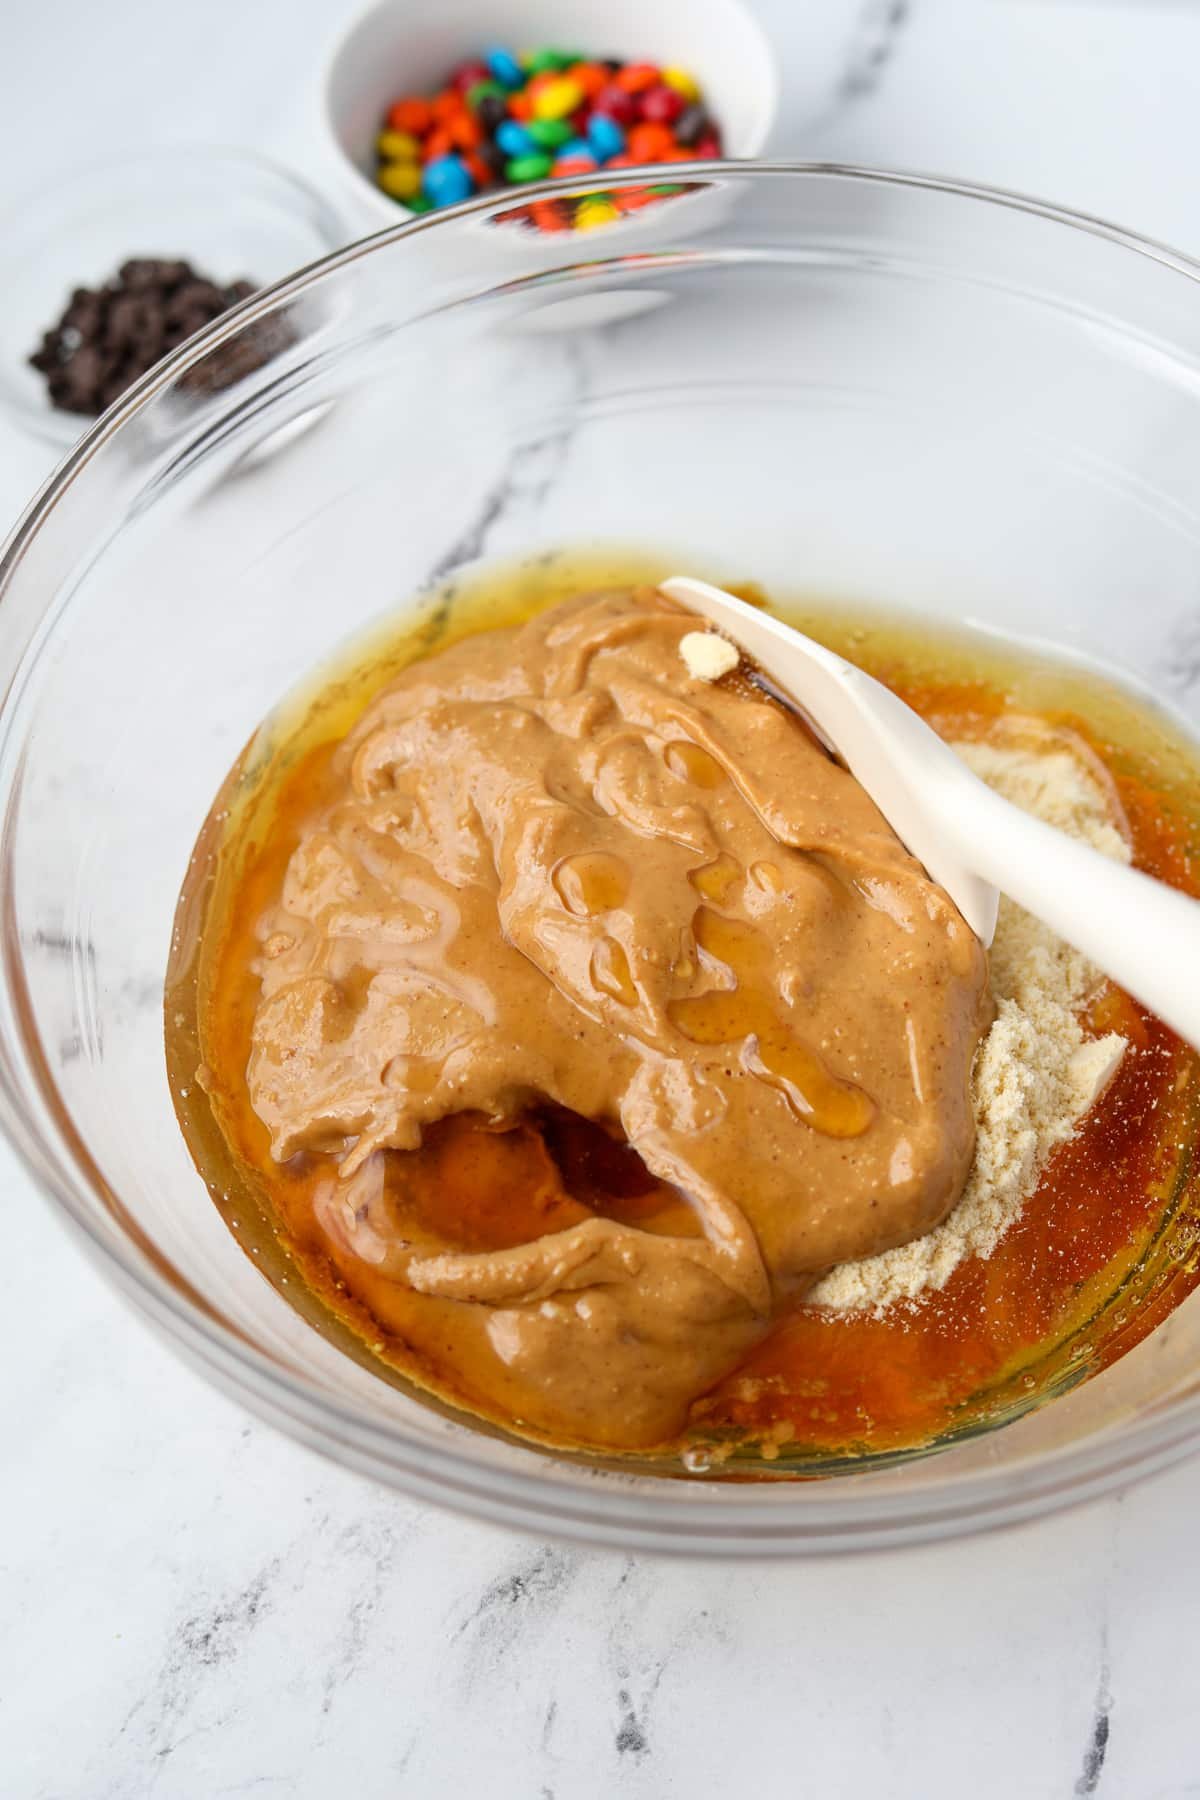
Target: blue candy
point(514, 140)
point(504, 67)
point(576, 147)
point(447, 180)
point(605, 137)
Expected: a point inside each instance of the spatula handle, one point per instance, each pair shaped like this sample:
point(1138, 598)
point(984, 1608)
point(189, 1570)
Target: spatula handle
point(1143, 934)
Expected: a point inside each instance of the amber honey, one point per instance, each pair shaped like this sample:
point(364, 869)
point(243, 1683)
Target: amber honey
point(1105, 1247)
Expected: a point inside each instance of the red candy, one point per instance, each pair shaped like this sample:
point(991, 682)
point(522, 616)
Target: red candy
point(661, 105)
point(467, 74)
point(616, 103)
point(709, 145)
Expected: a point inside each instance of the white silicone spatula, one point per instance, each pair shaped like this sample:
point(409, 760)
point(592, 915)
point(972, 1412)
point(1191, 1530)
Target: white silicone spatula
point(1143, 934)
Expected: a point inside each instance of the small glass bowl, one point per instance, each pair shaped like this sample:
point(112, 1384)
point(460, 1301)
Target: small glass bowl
point(229, 213)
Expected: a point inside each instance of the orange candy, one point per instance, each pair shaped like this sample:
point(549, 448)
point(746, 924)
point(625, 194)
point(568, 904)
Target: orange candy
point(650, 143)
point(589, 76)
point(447, 105)
point(481, 175)
point(550, 215)
point(521, 106)
point(465, 131)
point(413, 115)
point(438, 143)
point(635, 78)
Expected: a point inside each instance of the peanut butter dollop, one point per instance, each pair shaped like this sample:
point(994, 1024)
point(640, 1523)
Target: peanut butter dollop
point(562, 871)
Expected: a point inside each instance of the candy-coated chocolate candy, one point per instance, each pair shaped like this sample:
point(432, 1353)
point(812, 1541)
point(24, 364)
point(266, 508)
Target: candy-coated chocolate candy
point(605, 137)
point(466, 133)
point(446, 180)
point(575, 165)
point(490, 154)
point(707, 146)
point(469, 75)
point(439, 143)
point(590, 76)
point(528, 168)
point(400, 179)
point(648, 141)
point(549, 134)
point(616, 104)
point(521, 106)
point(447, 105)
point(482, 90)
point(413, 115)
point(661, 105)
point(397, 146)
point(685, 85)
point(514, 140)
point(480, 173)
point(491, 112)
point(557, 99)
point(590, 213)
point(537, 62)
point(636, 77)
point(504, 66)
point(576, 147)
point(420, 204)
point(691, 125)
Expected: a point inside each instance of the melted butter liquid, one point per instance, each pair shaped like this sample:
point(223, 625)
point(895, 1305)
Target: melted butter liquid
point(744, 1014)
point(1105, 1249)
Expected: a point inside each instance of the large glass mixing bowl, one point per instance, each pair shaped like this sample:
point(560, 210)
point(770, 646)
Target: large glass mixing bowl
point(895, 390)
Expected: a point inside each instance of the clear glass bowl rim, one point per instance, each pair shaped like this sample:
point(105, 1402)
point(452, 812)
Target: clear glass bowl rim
point(680, 1517)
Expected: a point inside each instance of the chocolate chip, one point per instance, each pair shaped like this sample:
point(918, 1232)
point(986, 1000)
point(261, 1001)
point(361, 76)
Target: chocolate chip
point(109, 336)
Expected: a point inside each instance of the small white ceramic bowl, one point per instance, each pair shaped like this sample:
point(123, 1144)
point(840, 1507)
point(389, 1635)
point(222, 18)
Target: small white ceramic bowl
point(395, 48)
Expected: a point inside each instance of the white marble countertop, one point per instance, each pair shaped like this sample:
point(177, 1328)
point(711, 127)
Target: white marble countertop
point(193, 1607)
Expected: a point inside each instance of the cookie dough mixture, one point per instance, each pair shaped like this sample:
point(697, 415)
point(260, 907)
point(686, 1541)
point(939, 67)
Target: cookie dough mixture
point(560, 872)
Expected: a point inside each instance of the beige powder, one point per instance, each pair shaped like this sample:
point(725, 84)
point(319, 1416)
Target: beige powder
point(1036, 1074)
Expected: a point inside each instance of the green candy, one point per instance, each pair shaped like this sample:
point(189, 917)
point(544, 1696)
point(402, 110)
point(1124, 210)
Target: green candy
point(482, 90)
point(544, 59)
point(420, 203)
point(550, 133)
point(527, 168)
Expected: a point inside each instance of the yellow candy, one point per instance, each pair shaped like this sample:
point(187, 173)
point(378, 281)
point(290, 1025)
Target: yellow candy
point(558, 98)
point(402, 180)
point(682, 82)
point(398, 146)
point(595, 212)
